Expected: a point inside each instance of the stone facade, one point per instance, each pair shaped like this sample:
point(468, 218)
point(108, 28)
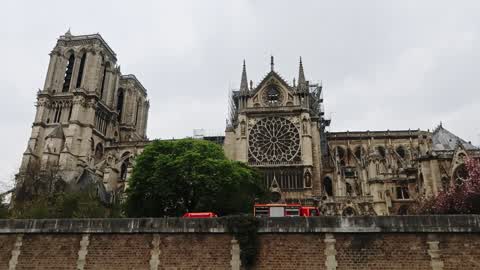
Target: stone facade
point(277, 128)
point(90, 120)
point(280, 128)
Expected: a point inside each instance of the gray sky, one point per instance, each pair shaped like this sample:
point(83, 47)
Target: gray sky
point(384, 64)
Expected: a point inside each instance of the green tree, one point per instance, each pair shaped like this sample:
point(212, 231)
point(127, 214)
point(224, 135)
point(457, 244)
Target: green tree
point(68, 204)
point(3, 208)
point(173, 177)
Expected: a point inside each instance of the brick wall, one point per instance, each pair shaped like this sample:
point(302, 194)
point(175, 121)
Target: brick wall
point(291, 251)
point(382, 251)
point(195, 251)
point(176, 244)
point(118, 251)
point(6, 246)
point(399, 251)
point(460, 251)
point(49, 251)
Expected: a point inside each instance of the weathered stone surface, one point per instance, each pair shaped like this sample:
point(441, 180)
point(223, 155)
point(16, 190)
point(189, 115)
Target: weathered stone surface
point(427, 224)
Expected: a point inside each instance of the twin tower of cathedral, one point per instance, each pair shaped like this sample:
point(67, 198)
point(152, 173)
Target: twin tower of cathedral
point(91, 123)
point(88, 115)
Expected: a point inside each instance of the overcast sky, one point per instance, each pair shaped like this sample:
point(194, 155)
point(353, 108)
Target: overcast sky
point(383, 64)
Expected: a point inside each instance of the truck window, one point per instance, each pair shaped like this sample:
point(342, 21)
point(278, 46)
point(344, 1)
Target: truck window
point(262, 211)
point(292, 212)
point(277, 211)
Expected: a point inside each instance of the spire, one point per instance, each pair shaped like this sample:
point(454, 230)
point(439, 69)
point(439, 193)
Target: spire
point(271, 62)
point(244, 82)
point(68, 33)
point(301, 75)
point(301, 83)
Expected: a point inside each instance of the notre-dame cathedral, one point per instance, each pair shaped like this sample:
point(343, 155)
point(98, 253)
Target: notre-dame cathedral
point(91, 123)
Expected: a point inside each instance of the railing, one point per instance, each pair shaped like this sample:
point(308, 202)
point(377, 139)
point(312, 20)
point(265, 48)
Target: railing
point(280, 163)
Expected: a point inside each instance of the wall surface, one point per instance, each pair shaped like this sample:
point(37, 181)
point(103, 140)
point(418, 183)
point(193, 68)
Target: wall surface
point(415, 242)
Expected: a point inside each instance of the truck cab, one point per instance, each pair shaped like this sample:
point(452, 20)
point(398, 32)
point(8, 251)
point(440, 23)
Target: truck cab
point(284, 210)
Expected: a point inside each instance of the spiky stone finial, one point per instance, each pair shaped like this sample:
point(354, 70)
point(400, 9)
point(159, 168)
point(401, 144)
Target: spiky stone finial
point(244, 81)
point(271, 63)
point(301, 83)
point(301, 74)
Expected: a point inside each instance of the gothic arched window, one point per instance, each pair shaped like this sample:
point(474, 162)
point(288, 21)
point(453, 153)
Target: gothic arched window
point(381, 151)
point(99, 151)
point(340, 152)
point(58, 113)
point(81, 70)
point(68, 74)
point(124, 167)
point(104, 77)
point(92, 145)
point(460, 175)
point(136, 113)
point(349, 189)
point(123, 171)
point(401, 151)
point(358, 152)
point(328, 186)
point(120, 98)
point(272, 96)
point(402, 192)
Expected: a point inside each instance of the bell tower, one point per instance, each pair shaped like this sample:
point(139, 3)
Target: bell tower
point(86, 105)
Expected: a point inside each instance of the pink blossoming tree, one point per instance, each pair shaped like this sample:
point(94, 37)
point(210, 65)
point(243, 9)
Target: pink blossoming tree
point(459, 198)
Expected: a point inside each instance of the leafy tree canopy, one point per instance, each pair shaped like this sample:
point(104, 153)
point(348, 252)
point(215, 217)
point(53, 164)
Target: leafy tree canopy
point(173, 177)
point(82, 204)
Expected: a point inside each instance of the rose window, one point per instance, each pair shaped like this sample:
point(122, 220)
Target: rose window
point(274, 139)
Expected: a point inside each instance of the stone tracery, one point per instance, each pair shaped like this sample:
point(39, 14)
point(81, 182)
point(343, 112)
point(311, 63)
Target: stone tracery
point(274, 139)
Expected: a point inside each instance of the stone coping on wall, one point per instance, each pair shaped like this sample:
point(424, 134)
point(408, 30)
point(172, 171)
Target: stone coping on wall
point(361, 224)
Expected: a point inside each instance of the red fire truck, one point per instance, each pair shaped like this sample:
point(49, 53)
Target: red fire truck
point(284, 210)
point(200, 215)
